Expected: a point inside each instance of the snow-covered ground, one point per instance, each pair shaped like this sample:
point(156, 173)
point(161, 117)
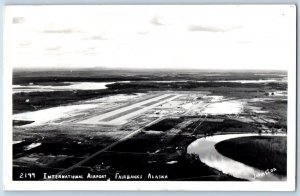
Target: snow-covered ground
point(224, 107)
point(65, 86)
point(51, 114)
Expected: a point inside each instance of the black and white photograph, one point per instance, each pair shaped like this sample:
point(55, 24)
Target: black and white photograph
point(150, 97)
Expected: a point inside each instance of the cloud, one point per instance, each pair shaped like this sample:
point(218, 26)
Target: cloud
point(235, 28)
point(96, 37)
point(156, 21)
point(143, 32)
point(212, 29)
point(69, 30)
point(53, 48)
point(244, 42)
point(18, 20)
point(24, 44)
point(89, 53)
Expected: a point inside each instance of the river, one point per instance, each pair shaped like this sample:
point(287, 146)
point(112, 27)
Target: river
point(205, 148)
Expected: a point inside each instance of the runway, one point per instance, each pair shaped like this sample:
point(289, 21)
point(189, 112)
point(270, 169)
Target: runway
point(122, 115)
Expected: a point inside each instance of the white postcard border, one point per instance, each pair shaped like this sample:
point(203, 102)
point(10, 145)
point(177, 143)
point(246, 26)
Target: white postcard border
point(9, 184)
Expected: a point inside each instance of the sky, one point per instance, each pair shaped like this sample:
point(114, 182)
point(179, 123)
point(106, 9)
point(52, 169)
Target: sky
point(150, 37)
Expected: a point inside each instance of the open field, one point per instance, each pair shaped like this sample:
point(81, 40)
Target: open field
point(215, 127)
point(165, 124)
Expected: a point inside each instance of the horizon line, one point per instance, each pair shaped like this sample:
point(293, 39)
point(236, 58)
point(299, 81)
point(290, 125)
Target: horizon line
point(138, 69)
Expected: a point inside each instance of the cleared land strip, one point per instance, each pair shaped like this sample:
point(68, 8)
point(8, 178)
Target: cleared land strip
point(121, 115)
point(135, 109)
point(121, 119)
point(156, 101)
point(112, 108)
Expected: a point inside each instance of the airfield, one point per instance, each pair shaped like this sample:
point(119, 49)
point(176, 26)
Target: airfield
point(147, 129)
point(93, 133)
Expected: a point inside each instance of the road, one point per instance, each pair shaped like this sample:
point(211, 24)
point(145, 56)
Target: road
point(108, 147)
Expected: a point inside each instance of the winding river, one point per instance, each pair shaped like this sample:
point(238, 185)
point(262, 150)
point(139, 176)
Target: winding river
point(205, 148)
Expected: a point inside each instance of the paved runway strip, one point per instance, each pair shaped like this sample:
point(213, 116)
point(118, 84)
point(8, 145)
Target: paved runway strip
point(121, 115)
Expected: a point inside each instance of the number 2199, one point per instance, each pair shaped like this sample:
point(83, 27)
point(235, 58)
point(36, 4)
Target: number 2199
point(27, 175)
